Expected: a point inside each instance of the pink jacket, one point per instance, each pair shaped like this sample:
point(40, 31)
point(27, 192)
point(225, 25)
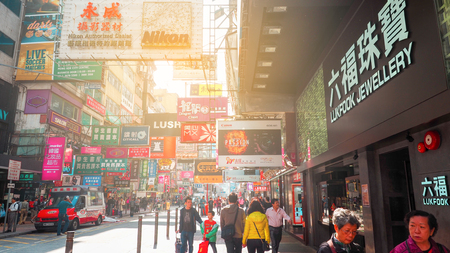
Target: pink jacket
point(401, 248)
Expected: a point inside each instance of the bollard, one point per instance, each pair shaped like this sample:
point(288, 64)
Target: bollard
point(176, 219)
point(156, 231)
point(69, 241)
point(168, 224)
point(139, 239)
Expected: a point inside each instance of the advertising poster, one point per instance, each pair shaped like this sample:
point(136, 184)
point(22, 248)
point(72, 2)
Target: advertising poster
point(67, 169)
point(206, 90)
point(113, 165)
point(206, 172)
point(89, 71)
point(116, 152)
point(163, 124)
point(105, 135)
point(153, 168)
point(163, 147)
point(87, 164)
point(365, 195)
point(249, 143)
point(202, 109)
point(138, 152)
point(53, 158)
point(71, 180)
point(39, 29)
point(135, 135)
point(166, 165)
point(37, 57)
point(41, 7)
point(68, 155)
point(198, 133)
point(186, 174)
point(92, 180)
point(241, 175)
point(37, 101)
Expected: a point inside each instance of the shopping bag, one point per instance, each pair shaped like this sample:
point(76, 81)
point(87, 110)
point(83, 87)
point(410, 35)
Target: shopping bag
point(203, 247)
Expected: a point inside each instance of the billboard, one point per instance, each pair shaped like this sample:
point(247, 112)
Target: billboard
point(132, 30)
point(206, 172)
point(135, 135)
point(41, 7)
point(202, 109)
point(39, 29)
point(89, 71)
point(87, 164)
point(36, 57)
point(37, 101)
point(163, 124)
point(241, 176)
point(204, 90)
point(196, 69)
point(105, 135)
point(201, 133)
point(53, 158)
point(92, 180)
point(63, 122)
point(116, 152)
point(249, 143)
point(163, 147)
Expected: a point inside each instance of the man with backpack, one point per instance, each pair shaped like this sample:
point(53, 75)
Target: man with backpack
point(232, 222)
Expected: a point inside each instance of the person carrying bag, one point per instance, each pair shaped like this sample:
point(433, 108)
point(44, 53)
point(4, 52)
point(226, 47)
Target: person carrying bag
point(252, 238)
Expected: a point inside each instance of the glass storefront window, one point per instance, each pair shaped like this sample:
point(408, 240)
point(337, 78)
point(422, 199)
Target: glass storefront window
point(63, 107)
point(323, 195)
point(354, 199)
point(297, 195)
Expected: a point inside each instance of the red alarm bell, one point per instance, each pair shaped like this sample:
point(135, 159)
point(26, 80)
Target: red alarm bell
point(421, 147)
point(432, 140)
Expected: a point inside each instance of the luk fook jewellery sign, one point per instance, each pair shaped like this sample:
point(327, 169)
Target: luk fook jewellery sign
point(435, 191)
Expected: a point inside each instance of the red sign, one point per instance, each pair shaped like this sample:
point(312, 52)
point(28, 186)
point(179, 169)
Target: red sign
point(201, 133)
point(298, 177)
point(68, 155)
point(91, 102)
point(58, 183)
point(163, 147)
point(138, 152)
point(260, 188)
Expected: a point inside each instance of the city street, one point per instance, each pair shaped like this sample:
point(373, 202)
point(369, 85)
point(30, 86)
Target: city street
point(122, 237)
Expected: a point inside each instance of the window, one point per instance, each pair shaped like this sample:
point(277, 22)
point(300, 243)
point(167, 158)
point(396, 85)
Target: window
point(13, 5)
point(87, 121)
point(6, 45)
point(138, 91)
point(137, 110)
point(114, 81)
point(129, 72)
point(96, 94)
point(112, 107)
point(95, 198)
point(63, 107)
point(126, 116)
point(127, 93)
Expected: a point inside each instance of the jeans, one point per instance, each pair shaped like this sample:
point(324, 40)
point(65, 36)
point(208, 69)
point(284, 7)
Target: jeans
point(66, 223)
point(234, 245)
point(185, 237)
point(275, 237)
point(254, 245)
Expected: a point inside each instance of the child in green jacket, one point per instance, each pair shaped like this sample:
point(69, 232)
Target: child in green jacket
point(209, 230)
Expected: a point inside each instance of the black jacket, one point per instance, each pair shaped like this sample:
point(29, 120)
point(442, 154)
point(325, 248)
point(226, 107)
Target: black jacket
point(194, 217)
point(354, 248)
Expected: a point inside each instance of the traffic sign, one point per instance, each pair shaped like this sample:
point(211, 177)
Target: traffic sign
point(14, 170)
point(11, 186)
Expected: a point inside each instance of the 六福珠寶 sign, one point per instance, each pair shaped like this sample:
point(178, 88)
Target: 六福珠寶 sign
point(437, 189)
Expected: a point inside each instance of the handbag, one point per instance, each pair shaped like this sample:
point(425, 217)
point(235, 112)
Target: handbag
point(229, 230)
point(203, 247)
point(265, 245)
point(2, 213)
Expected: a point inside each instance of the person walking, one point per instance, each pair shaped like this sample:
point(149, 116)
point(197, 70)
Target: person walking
point(121, 205)
point(266, 203)
point(62, 206)
point(210, 204)
point(233, 214)
point(256, 228)
point(209, 230)
point(12, 214)
point(132, 206)
point(187, 228)
point(275, 215)
point(202, 205)
point(24, 211)
point(218, 205)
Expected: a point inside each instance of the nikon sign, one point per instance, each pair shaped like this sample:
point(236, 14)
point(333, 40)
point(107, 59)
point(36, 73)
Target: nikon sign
point(132, 30)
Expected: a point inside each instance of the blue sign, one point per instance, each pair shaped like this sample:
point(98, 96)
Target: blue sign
point(232, 187)
point(152, 168)
point(135, 135)
point(198, 186)
point(92, 180)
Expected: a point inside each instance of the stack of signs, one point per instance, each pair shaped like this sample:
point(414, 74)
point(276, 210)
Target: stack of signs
point(143, 176)
point(87, 164)
point(115, 167)
point(105, 135)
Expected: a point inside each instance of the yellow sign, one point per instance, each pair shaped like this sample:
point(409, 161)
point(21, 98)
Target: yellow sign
point(208, 179)
point(36, 57)
point(206, 90)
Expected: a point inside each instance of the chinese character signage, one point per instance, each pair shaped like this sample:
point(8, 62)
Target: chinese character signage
point(110, 30)
point(249, 143)
point(63, 122)
point(186, 174)
point(202, 133)
point(207, 172)
point(144, 169)
point(206, 90)
point(90, 71)
point(26, 177)
point(384, 49)
point(163, 147)
point(135, 135)
point(193, 70)
point(121, 183)
point(92, 103)
point(113, 165)
point(143, 183)
point(138, 152)
point(134, 169)
point(92, 180)
point(87, 164)
point(105, 135)
point(91, 150)
point(53, 158)
point(166, 165)
point(153, 168)
point(260, 188)
point(116, 152)
point(163, 124)
point(435, 191)
point(202, 109)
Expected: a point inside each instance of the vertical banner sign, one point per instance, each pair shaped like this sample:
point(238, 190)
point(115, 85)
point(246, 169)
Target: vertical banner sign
point(53, 158)
point(153, 168)
point(105, 135)
point(135, 135)
point(14, 170)
point(207, 172)
point(87, 164)
point(134, 170)
point(113, 165)
point(92, 180)
point(144, 169)
point(143, 184)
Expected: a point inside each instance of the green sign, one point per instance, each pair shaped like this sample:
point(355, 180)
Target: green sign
point(105, 135)
point(114, 165)
point(89, 71)
point(143, 184)
point(112, 118)
point(87, 165)
point(144, 169)
point(26, 177)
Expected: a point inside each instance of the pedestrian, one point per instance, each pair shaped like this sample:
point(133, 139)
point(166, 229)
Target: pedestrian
point(346, 224)
point(256, 228)
point(138, 205)
point(422, 226)
point(241, 202)
point(218, 205)
point(144, 203)
point(187, 228)
point(132, 206)
point(210, 204)
point(2, 214)
point(12, 214)
point(121, 205)
point(209, 230)
point(110, 207)
point(266, 203)
point(275, 215)
point(202, 205)
point(24, 211)
point(62, 206)
point(233, 214)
